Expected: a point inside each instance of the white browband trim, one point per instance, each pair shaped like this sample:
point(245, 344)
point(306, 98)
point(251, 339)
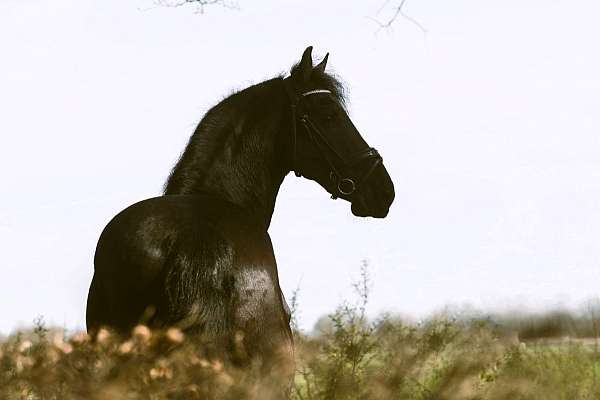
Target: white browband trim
point(316, 91)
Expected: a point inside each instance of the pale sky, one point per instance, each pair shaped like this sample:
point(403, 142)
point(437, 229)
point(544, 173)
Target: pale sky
point(489, 125)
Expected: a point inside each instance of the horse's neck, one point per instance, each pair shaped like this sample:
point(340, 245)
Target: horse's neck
point(245, 171)
point(250, 184)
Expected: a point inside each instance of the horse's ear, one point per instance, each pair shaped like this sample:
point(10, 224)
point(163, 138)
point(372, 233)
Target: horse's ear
point(321, 66)
point(305, 66)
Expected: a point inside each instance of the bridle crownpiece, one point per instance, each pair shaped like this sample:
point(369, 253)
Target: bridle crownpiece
point(315, 92)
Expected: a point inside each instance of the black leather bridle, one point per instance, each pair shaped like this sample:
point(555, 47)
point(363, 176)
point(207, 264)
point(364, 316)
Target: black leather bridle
point(342, 183)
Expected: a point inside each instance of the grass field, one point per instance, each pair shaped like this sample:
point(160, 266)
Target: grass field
point(347, 358)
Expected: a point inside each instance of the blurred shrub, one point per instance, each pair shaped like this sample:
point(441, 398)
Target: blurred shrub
point(350, 357)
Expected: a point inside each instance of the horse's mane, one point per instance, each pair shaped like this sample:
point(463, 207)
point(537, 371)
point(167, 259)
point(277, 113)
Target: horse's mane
point(236, 121)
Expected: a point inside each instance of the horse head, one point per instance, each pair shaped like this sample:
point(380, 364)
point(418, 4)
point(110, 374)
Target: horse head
point(326, 146)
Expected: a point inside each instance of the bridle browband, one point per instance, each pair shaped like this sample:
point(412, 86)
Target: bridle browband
point(342, 184)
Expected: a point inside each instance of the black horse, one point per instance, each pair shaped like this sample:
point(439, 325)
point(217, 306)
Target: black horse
point(199, 257)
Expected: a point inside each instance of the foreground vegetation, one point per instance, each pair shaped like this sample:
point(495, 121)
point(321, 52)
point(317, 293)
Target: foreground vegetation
point(348, 358)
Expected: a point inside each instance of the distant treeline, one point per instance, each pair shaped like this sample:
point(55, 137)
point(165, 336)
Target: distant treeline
point(551, 324)
point(526, 326)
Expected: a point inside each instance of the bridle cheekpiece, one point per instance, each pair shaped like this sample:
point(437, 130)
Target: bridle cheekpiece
point(342, 183)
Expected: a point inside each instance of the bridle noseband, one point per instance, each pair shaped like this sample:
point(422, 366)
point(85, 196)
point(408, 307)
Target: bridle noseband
point(342, 184)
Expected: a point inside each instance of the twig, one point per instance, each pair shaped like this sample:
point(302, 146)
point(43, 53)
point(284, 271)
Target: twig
point(399, 11)
point(199, 3)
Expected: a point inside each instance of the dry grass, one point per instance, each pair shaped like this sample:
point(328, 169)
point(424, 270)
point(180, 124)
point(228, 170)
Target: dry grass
point(349, 358)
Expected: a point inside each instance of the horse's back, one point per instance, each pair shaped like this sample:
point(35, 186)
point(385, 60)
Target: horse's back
point(143, 234)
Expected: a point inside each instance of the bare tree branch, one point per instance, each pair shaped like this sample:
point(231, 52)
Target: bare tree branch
point(200, 4)
point(398, 11)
